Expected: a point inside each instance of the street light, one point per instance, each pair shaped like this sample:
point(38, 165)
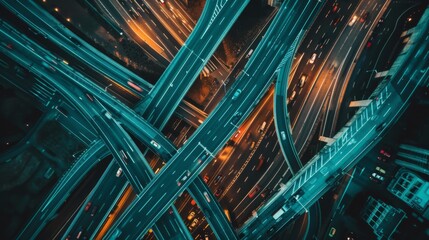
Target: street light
point(296, 198)
point(224, 85)
point(105, 89)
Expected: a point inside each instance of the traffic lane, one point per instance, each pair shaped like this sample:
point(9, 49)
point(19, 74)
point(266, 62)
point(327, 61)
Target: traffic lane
point(261, 116)
point(177, 167)
point(203, 45)
point(325, 36)
point(352, 37)
point(161, 177)
point(159, 144)
point(61, 36)
point(243, 139)
point(252, 178)
point(139, 171)
point(159, 10)
point(363, 136)
point(346, 34)
point(160, 31)
point(99, 203)
point(132, 22)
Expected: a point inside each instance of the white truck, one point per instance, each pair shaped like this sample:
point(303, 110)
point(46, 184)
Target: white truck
point(277, 215)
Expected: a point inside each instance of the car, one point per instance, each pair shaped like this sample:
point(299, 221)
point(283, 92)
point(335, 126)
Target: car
point(336, 20)
point(292, 96)
point(376, 177)
point(313, 58)
point(236, 117)
point(123, 156)
point(134, 86)
point(266, 193)
point(353, 20)
point(88, 206)
point(217, 179)
point(206, 178)
point(183, 177)
point(368, 44)
point(236, 94)
point(218, 191)
point(332, 231)
point(254, 191)
point(302, 80)
point(94, 211)
point(191, 215)
point(252, 145)
point(283, 134)
point(381, 170)
point(162, 1)
point(155, 144)
point(193, 202)
point(380, 127)
point(385, 153)
point(237, 133)
point(119, 172)
point(206, 195)
point(79, 234)
point(335, 7)
point(364, 17)
point(194, 223)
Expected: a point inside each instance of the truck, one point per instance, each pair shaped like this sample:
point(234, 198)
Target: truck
point(280, 212)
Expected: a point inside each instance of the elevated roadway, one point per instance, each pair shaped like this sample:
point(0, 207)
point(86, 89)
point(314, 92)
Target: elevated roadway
point(185, 166)
point(175, 82)
point(365, 129)
point(46, 25)
point(115, 137)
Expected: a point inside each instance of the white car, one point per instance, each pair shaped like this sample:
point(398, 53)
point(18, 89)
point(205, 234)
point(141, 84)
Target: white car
point(313, 57)
point(377, 176)
point(283, 135)
point(207, 196)
point(381, 170)
point(155, 144)
point(354, 18)
point(119, 172)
